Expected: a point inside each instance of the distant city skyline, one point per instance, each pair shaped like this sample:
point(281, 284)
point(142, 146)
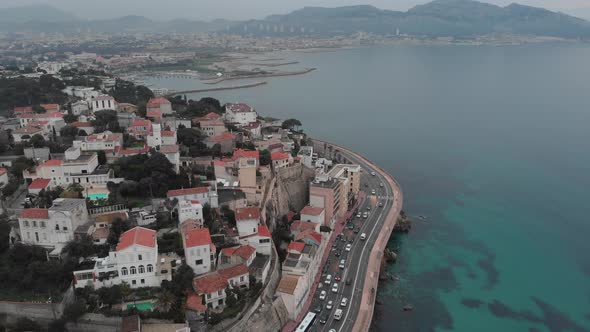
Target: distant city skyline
point(239, 10)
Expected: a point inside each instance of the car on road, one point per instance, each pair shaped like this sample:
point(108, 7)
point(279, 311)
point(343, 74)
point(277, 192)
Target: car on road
point(356, 230)
point(323, 295)
point(358, 215)
point(335, 288)
point(342, 262)
point(323, 318)
point(365, 215)
point(329, 305)
point(342, 237)
point(348, 281)
point(328, 279)
point(373, 173)
point(337, 253)
point(348, 247)
point(318, 309)
point(363, 236)
point(337, 314)
point(349, 226)
point(381, 185)
point(344, 302)
point(373, 192)
point(332, 330)
point(381, 204)
point(337, 278)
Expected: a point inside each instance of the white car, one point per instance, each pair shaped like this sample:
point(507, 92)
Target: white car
point(373, 192)
point(342, 262)
point(328, 279)
point(335, 288)
point(358, 215)
point(323, 295)
point(363, 236)
point(381, 185)
point(329, 305)
point(373, 173)
point(348, 247)
point(344, 302)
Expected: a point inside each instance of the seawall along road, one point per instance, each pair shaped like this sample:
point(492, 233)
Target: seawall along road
point(365, 312)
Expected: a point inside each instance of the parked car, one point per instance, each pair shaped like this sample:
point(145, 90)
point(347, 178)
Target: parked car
point(337, 253)
point(380, 204)
point(350, 226)
point(329, 305)
point(356, 230)
point(324, 318)
point(328, 279)
point(358, 215)
point(344, 302)
point(337, 278)
point(335, 288)
point(373, 192)
point(323, 295)
point(342, 262)
point(343, 239)
point(373, 173)
point(317, 309)
point(348, 247)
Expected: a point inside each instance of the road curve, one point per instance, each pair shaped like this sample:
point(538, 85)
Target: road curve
point(358, 315)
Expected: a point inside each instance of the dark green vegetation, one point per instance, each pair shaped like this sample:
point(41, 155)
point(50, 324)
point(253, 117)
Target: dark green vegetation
point(27, 91)
point(461, 18)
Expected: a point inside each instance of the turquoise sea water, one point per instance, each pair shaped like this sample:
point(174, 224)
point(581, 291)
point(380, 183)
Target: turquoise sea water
point(492, 145)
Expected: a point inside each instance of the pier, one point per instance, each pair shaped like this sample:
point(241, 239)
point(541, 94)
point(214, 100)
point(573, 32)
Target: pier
point(233, 87)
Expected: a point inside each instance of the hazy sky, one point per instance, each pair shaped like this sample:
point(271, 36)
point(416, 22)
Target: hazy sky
point(244, 9)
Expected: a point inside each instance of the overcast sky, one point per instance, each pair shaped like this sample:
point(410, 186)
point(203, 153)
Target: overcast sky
point(245, 9)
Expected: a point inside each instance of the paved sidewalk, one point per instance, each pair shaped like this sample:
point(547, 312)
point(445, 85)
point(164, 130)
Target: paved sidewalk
point(338, 228)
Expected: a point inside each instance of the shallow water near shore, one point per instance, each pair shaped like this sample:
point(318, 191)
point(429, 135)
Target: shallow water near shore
point(492, 145)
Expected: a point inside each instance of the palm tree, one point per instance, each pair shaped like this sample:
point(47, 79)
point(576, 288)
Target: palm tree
point(165, 301)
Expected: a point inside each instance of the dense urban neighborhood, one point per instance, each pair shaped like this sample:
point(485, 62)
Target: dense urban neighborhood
point(123, 206)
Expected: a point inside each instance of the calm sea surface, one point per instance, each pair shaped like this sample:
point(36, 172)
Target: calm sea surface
point(492, 145)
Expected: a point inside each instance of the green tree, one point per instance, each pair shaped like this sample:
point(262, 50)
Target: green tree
point(37, 141)
point(166, 301)
point(291, 123)
point(38, 109)
point(69, 118)
point(19, 165)
point(69, 131)
point(265, 159)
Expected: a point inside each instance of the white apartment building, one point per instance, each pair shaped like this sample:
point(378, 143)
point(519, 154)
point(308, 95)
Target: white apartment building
point(205, 195)
point(82, 92)
point(53, 227)
point(135, 262)
point(247, 220)
point(240, 114)
point(199, 251)
point(211, 286)
point(103, 102)
point(74, 168)
point(190, 209)
point(105, 141)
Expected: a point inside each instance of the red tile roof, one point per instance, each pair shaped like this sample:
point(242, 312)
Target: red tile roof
point(197, 237)
point(263, 231)
point(239, 153)
point(168, 133)
point(194, 302)
point(234, 271)
point(312, 235)
point(53, 162)
point(25, 109)
point(141, 123)
point(169, 148)
point(244, 251)
point(81, 124)
point(138, 235)
point(34, 213)
point(211, 115)
point(279, 156)
point(154, 114)
point(39, 183)
point(301, 226)
point(224, 136)
point(188, 191)
point(50, 107)
point(156, 102)
point(247, 213)
point(238, 108)
point(312, 211)
point(189, 224)
point(209, 283)
point(296, 246)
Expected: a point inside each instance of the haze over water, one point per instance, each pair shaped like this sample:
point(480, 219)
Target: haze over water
point(492, 145)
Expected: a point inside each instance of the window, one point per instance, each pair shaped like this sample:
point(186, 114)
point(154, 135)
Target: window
point(34, 223)
point(138, 257)
point(264, 241)
point(141, 269)
point(208, 296)
point(150, 268)
point(65, 228)
point(142, 281)
point(218, 292)
point(242, 278)
point(124, 271)
point(26, 223)
point(133, 282)
point(57, 227)
point(254, 230)
point(198, 262)
point(42, 224)
point(132, 270)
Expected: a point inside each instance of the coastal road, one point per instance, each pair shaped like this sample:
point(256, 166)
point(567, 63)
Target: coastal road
point(380, 206)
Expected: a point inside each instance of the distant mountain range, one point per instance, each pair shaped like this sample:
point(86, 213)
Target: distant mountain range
point(437, 18)
point(45, 18)
point(459, 18)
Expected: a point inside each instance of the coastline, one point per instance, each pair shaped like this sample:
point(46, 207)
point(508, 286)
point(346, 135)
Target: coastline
point(234, 87)
point(364, 317)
